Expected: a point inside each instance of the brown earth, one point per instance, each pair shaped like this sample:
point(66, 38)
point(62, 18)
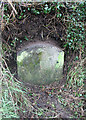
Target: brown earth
point(38, 28)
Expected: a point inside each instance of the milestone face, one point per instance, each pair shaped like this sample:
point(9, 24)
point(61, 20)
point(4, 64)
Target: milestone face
point(40, 64)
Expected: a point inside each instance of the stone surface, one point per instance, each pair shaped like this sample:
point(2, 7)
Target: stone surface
point(40, 64)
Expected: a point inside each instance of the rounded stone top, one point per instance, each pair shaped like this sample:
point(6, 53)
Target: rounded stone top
point(40, 63)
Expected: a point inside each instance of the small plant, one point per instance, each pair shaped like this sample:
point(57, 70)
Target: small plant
point(75, 32)
point(26, 38)
point(13, 99)
point(71, 95)
point(13, 43)
point(47, 9)
point(36, 12)
point(5, 7)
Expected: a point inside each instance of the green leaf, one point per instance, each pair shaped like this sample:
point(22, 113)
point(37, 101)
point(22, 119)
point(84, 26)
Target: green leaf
point(80, 95)
point(46, 8)
point(36, 12)
point(22, 14)
point(24, 10)
point(58, 6)
point(68, 35)
point(40, 113)
point(57, 15)
point(45, 11)
point(60, 15)
point(69, 44)
point(77, 58)
point(30, 94)
point(80, 104)
point(83, 46)
point(28, 9)
point(53, 105)
point(20, 41)
point(26, 38)
point(20, 17)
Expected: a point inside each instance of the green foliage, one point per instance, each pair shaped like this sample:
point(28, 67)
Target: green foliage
point(75, 84)
point(74, 20)
point(76, 77)
point(36, 12)
point(5, 7)
point(47, 9)
point(62, 100)
point(6, 17)
point(25, 38)
point(13, 97)
point(13, 43)
point(75, 30)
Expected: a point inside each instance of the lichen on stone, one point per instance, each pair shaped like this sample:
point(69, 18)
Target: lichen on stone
point(40, 65)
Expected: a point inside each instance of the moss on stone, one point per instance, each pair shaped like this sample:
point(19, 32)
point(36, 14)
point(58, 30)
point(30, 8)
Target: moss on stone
point(40, 66)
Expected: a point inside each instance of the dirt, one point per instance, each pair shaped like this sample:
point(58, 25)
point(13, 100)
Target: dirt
point(45, 98)
point(45, 102)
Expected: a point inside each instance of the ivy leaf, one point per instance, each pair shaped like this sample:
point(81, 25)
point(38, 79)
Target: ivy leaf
point(23, 10)
point(57, 15)
point(21, 13)
point(45, 11)
point(28, 9)
point(26, 38)
point(20, 17)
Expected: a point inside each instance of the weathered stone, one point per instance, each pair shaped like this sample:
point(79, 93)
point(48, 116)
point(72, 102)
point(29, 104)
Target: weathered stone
point(40, 64)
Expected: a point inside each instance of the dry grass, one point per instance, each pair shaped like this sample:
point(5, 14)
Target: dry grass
point(15, 101)
point(13, 95)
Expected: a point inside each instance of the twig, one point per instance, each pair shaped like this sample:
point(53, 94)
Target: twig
point(9, 1)
point(10, 16)
point(2, 23)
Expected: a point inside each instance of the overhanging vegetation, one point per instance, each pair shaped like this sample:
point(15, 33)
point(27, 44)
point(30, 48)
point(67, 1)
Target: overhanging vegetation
point(70, 19)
